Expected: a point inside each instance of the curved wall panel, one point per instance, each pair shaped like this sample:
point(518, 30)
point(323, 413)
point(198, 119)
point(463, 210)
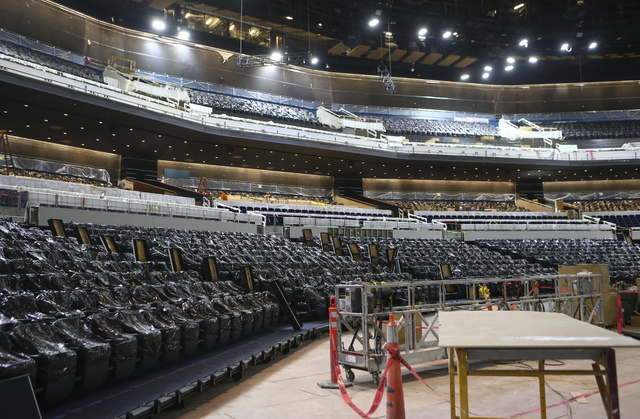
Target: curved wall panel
point(64, 28)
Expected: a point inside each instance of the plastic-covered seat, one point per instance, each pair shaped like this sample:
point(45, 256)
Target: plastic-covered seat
point(14, 363)
point(56, 363)
point(93, 352)
point(149, 338)
point(208, 320)
point(189, 328)
point(171, 334)
point(124, 346)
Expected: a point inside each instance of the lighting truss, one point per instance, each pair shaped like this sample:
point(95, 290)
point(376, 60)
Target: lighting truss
point(247, 61)
point(385, 76)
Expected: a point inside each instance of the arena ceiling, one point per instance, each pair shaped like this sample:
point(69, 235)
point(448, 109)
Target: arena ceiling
point(602, 37)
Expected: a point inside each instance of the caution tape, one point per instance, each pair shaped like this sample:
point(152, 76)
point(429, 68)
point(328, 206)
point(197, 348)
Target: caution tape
point(343, 390)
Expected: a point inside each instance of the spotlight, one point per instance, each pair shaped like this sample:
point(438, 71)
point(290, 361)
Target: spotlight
point(566, 47)
point(464, 77)
point(518, 6)
point(488, 68)
point(183, 34)
point(314, 60)
point(511, 60)
point(276, 56)
point(373, 22)
point(446, 35)
point(533, 59)
point(593, 45)
point(158, 25)
point(208, 22)
point(485, 75)
point(508, 68)
point(524, 43)
point(289, 17)
point(422, 32)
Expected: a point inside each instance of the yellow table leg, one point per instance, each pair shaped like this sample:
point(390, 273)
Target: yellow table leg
point(452, 384)
point(543, 397)
point(462, 383)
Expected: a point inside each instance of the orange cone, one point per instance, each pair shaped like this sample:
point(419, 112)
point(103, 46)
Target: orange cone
point(333, 343)
point(395, 394)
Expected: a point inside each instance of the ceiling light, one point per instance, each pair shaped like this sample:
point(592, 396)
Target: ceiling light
point(447, 34)
point(464, 77)
point(533, 59)
point(208, 22)
point(314, 60)
point(511, 60)
point(388, 34)
point(187, 16)
point(289, 17)
point(422, 32)
point(524, 43)
point(373, 22)
point(158, 25)
point(488, 68)
point(485, 75)
point(508, 68)
point(231, 27)
point(183, 34)
point(518, 6)
point(566, 47)
point(593, 45)
point(276, 56)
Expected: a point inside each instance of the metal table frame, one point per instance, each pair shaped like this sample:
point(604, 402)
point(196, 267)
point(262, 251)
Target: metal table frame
point(532, 336)
point(606, 377)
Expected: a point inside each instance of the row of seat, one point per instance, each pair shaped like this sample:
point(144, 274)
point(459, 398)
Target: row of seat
point(411, 126)
point(607, 205)
point(219, 102)
point(49, 61)
point(424, 205)
point(583, 130)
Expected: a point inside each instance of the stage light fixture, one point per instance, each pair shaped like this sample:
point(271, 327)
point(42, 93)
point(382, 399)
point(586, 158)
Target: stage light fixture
point(158, 25)
point(533, 59)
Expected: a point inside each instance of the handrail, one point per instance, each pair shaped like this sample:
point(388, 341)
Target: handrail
point(225, 122)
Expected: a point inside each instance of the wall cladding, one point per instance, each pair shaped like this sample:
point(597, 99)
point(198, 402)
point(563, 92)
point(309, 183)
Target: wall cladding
point(69, 30)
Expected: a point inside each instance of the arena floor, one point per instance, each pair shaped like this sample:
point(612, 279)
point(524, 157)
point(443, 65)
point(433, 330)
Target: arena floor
point(288, 388)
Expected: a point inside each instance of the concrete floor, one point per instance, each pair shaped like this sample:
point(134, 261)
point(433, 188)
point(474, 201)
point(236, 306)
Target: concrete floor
point(288, 388)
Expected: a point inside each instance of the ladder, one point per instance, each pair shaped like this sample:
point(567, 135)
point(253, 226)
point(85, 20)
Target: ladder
point(202, 186)
point(6, 148)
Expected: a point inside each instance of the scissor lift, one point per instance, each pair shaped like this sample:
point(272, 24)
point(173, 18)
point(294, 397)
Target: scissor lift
point(364, 308)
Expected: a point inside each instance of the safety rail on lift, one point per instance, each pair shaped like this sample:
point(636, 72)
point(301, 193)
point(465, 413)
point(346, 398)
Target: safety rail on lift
point(363, 309)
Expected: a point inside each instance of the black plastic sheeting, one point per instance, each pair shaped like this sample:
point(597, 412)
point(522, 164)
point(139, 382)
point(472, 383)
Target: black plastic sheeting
point(124, 345)
point(75, 334)
point(55, 361)
point(149, 338)
point(13, 363)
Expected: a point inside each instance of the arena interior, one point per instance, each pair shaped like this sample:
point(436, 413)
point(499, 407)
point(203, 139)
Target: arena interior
point(186, 185)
